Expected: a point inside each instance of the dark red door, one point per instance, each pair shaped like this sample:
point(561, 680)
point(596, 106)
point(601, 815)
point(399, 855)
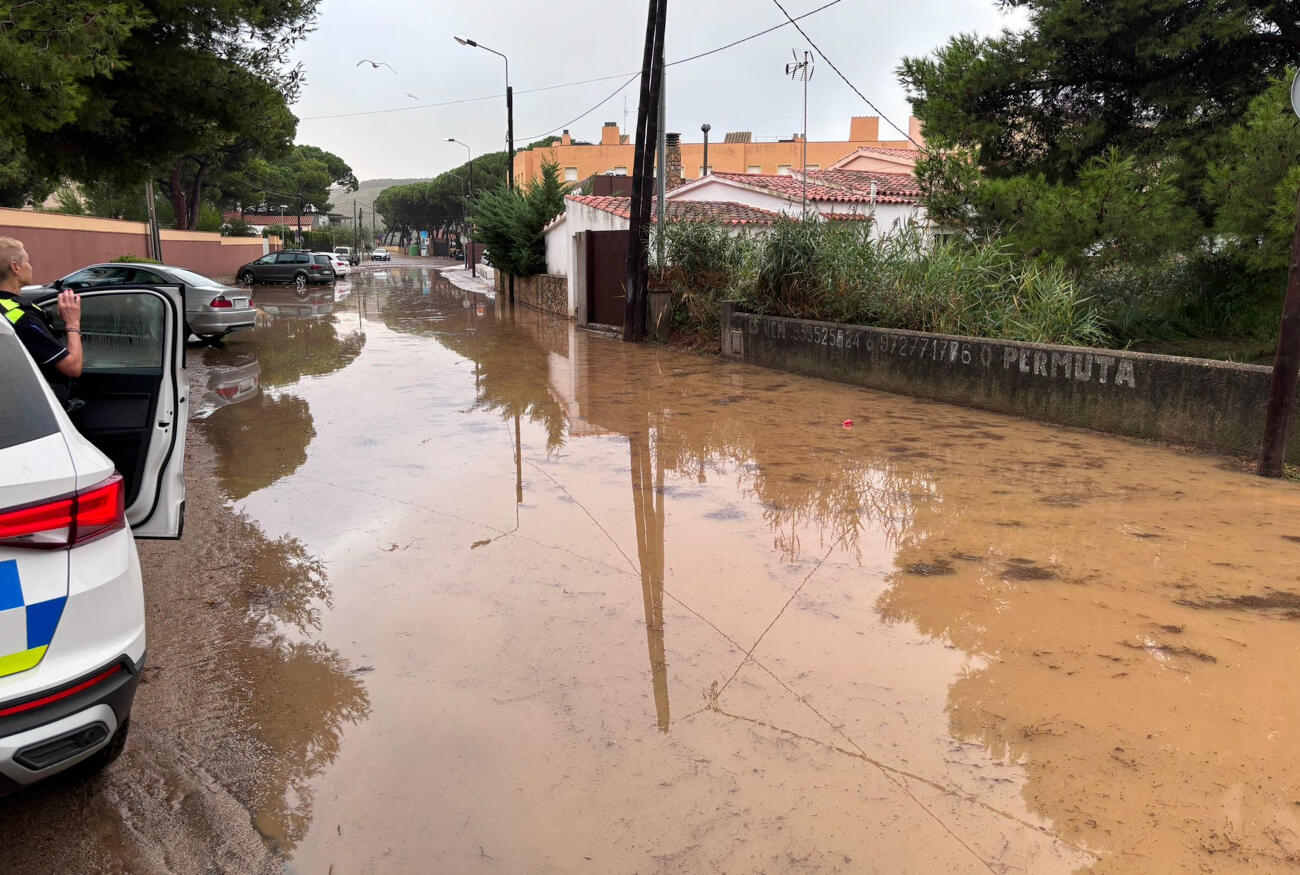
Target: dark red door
point(606, 277)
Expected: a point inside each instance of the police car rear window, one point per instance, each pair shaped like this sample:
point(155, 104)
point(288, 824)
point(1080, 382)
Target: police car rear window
point(26, 411)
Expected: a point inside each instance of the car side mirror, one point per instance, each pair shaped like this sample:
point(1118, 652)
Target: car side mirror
point(57, 284)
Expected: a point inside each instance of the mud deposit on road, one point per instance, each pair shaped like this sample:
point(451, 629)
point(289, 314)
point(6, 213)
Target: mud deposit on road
point(515, 597)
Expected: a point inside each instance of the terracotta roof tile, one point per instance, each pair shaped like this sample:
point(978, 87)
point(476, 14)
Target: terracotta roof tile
point(890, 187)
point(725, 212)
point(911, 154)
point(842, 186)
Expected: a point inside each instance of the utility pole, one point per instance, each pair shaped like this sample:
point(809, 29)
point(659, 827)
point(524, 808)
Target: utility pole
point(1286, 365)
point(1286, 370)
point(155, 236)
point(661, 148)
point(469, 237)
point(635, 314)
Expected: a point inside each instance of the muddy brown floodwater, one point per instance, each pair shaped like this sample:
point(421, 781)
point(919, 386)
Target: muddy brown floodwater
point(515, 597)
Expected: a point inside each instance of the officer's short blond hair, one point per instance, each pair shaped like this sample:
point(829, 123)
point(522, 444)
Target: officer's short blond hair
point(11, 250)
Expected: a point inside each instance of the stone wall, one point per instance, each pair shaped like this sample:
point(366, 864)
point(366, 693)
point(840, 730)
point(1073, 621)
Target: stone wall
point(546, 292)
point(1213, 405)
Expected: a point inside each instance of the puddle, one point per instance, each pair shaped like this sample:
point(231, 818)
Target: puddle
point(621, 609)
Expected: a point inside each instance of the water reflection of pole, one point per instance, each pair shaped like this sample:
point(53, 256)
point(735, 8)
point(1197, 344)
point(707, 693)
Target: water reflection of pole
point(648, 508)
point(519, 466)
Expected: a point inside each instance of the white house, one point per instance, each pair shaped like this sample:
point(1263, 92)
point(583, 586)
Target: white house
point(889, 200)
point(566, 253)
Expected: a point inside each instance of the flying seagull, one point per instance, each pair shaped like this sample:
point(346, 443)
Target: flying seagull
point(376, 64)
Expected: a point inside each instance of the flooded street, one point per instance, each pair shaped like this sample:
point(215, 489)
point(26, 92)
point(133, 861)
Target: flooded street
point(482, 591)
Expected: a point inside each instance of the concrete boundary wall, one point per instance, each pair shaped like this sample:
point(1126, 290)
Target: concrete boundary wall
point(59, 244)
point(1208, 404)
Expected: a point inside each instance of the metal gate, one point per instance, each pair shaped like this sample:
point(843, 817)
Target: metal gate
point(606, 277)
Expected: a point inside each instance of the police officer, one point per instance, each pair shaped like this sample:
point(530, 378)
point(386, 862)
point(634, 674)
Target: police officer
point(59, 360)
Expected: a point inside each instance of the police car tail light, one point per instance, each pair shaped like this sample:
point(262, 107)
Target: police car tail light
point(220, 302)
point(47, 525)
point(100, 510)
point(68, 520)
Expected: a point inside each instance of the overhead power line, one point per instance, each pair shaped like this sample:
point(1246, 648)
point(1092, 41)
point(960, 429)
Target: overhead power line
point(573, 84)
point(842, 76)
point(635, 76)
point(675, 63)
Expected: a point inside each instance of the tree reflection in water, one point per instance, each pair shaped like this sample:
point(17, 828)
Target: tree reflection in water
point(292, 695)
point(672, 424)
point(262, 441)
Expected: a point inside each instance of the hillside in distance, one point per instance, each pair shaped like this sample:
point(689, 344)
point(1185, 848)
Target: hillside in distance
point(365, 195)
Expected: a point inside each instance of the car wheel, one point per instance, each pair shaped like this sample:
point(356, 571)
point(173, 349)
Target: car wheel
point(247, 278)
point(300, 280)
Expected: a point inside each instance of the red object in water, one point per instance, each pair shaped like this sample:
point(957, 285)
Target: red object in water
point(848, 423)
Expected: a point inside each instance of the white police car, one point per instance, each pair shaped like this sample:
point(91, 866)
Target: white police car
point(72, 634)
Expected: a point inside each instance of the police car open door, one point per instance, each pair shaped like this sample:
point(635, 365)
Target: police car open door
point(132, 398)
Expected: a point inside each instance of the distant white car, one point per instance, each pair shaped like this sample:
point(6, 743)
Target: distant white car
point(340, 262)
point(380, 255)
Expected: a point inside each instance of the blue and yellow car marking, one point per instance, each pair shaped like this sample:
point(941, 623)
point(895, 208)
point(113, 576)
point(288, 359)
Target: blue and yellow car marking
point(25, 630)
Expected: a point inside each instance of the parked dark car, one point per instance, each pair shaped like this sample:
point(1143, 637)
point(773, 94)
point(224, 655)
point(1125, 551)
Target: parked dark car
point(289, 266)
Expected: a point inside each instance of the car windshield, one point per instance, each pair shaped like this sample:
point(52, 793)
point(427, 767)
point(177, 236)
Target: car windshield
point(190, 278)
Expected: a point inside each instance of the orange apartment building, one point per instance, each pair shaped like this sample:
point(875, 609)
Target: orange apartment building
point(732, 153)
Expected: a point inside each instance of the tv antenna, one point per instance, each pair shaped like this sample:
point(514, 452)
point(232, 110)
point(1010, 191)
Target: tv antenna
point(802, 70)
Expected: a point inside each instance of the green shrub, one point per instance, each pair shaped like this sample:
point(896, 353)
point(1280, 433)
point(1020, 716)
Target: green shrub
point(703, 262)
point(833, 271)
point(136, 259)
point(1202, 295)
point(509, 222)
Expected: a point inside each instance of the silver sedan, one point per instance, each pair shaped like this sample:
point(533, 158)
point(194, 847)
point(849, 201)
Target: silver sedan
point(212, 309)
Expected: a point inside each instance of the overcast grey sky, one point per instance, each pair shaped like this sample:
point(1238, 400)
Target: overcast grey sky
point(560, 41)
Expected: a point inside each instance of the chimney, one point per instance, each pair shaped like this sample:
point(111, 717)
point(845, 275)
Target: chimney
point(565, 139)
point(916, 130)
point(673, 161)
point(609, 134)
point(864, 129)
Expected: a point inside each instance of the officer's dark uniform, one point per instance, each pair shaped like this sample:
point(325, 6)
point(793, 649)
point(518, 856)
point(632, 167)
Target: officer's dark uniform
point(35, 333)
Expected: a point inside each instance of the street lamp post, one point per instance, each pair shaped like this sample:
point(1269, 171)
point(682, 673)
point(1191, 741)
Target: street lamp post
point(510, 125)
point(706, 127)
point(464, 207)
point(283, 207)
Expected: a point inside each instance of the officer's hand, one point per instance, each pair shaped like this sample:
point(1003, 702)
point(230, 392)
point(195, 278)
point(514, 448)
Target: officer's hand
point(70, 309)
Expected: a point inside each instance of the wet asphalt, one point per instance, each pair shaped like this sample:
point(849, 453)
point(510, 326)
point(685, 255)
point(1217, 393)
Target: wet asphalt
point(464, 587)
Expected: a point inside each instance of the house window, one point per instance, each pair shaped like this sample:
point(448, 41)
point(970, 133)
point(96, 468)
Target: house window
point(754, 168)
point(814, 167)
point(783, 170)
point(702, 169)
point(619, 171)
point(570, 174)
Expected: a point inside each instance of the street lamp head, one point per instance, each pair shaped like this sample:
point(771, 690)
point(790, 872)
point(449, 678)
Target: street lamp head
point(706, 127)
point(451, 139)
point(464, 41)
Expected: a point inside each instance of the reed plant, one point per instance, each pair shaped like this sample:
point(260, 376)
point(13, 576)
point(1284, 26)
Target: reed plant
point(836, 272)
